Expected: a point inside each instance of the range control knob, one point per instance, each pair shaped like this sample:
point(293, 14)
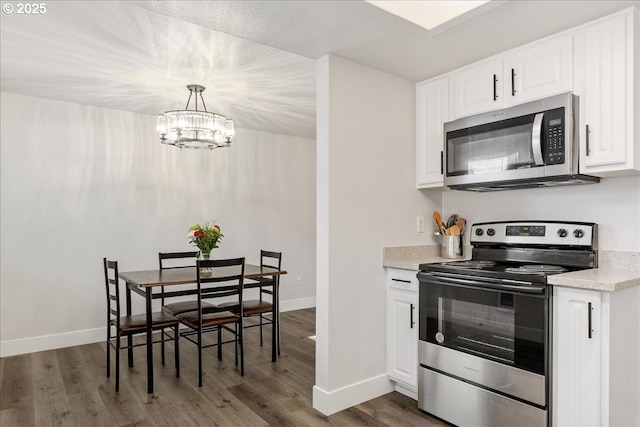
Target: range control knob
point(562, 233)
point(577, 233)
point(479, 232)
point(491, 232)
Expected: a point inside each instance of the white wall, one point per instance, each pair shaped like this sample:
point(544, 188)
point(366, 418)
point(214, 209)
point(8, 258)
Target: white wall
point(81, 183)
point(366, 200)
point(613, 203)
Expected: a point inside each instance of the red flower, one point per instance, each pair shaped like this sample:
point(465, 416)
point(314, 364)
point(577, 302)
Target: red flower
point(206, 237)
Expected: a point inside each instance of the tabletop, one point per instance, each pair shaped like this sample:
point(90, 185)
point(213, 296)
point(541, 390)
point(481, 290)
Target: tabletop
point(179, 276)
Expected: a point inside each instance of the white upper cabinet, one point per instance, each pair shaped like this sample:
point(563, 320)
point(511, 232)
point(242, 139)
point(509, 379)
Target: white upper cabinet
point(598, 61)
point(607, 84)
point(432, 111)
point(476, 89)
point(535, 71)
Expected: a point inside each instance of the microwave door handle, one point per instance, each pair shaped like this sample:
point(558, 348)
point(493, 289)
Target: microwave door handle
point(536, 139)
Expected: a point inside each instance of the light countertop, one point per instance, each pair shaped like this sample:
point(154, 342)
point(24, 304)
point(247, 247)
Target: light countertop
point(617, 270)
point(410, 257)
point(601, 279)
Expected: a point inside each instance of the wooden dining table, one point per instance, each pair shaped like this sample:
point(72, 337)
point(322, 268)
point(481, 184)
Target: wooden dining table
point(154, 284)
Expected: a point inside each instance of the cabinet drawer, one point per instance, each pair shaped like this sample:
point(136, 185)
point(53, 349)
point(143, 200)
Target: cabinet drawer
point(402, 279)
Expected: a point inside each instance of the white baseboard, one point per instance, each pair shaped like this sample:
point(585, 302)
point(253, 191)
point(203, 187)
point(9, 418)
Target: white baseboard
point(335, 401)
point(297, 304)
point(51, 342)
point(407, 391)
point(89, 336)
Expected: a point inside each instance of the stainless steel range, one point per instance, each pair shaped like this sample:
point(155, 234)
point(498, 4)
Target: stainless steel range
point(484, 324)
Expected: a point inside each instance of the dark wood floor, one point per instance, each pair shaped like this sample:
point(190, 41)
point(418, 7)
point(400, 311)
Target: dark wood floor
point(68, 387)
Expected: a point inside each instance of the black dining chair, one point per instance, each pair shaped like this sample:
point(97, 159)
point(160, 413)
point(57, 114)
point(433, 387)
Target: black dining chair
point(225, 281)
point(171, 260)
point(262, 308)
point(126, 326)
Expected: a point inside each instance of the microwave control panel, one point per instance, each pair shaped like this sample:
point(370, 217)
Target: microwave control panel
point(554, 135)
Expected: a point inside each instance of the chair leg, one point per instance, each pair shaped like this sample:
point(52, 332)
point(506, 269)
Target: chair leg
point(117, 362)
point(219, 342)
point(176, 338)
point(235, 341)
point(240, 338)
point(162, 344)
point(108, 351)
point(274, 341)
point(199, 357)
point(260, 315)
point(130, 350)
point(277, 330)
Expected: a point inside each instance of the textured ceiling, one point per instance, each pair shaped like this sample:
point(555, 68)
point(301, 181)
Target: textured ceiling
point(256, 58)
point(115, 55)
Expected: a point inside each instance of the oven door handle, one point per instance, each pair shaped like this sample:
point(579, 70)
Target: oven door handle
point(500, 286)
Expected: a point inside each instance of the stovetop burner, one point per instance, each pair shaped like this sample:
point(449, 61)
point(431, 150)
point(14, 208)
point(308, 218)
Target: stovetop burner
point(523, 251)
point(536, 269)
point(470, 264)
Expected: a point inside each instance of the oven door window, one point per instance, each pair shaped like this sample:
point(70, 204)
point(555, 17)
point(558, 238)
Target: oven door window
point(506, 327)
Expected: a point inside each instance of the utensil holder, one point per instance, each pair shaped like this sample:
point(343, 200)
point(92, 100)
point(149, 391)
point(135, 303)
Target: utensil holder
point(451, 247)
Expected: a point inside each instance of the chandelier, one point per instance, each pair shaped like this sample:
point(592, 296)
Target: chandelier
point(198, 129)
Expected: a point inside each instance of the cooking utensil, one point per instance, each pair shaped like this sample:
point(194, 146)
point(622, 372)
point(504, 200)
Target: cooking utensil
point(438, 220)
point(451, 221)
point(461, 223)
point(454, 230)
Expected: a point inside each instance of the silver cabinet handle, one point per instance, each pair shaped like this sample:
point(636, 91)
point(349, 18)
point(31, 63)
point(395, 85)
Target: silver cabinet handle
point(400, 280)
point(587, 140)
point(513, 82)
point(495, 87)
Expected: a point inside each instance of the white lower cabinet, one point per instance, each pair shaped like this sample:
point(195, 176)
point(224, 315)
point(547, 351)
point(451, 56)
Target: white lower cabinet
point(402, 330)
point(596, 357)
point(577, 341)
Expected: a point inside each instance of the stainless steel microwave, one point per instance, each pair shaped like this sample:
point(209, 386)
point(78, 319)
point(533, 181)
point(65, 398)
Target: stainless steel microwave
point(524, 146)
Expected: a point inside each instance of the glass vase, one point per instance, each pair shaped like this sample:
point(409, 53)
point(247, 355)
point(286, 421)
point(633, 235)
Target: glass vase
point(205, 271)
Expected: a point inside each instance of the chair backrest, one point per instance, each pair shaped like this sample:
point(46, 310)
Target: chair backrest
point(177, 259)
point(226, 278)
point(111, 281)
point(270, 259)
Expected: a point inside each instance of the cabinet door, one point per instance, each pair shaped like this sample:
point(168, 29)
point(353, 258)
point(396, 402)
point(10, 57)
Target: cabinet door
point(403, 336)
point(537, 71)
point(602, 68)
point(577, 340)
point(432, 111)
point(476, 89)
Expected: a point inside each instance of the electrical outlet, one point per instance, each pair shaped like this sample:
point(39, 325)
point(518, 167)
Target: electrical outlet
point(298, 280)
point(420, 224)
